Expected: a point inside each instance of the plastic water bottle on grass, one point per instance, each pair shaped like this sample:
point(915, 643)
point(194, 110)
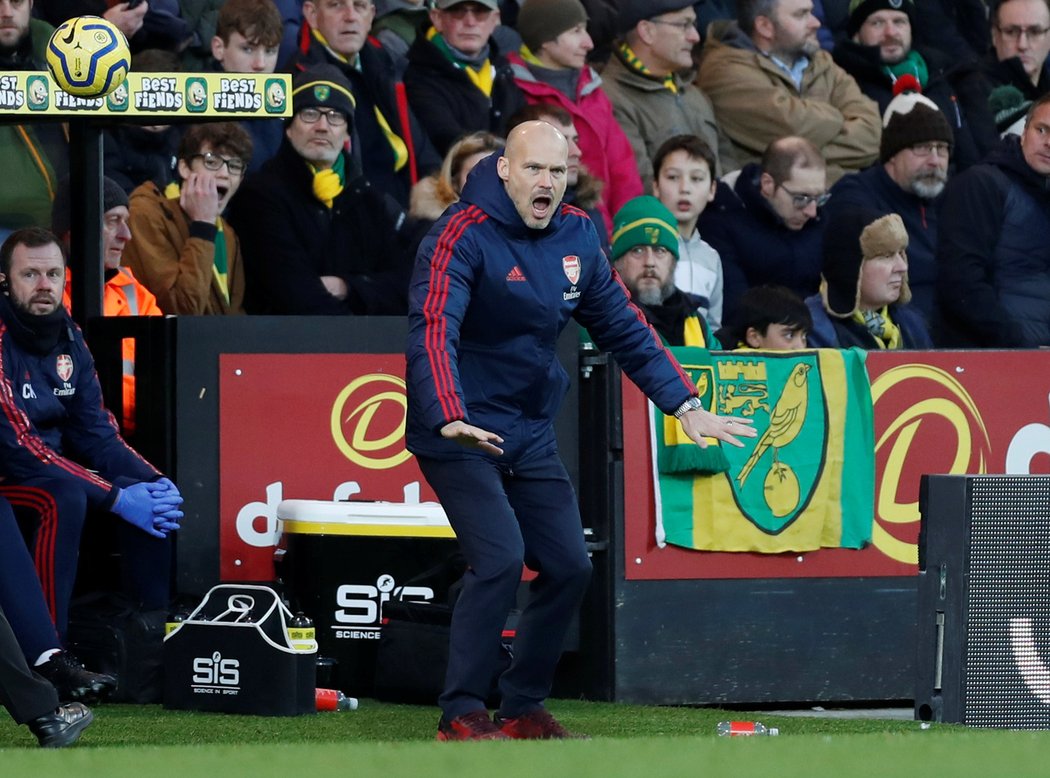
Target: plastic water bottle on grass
point(745, 729)
point(334, 699)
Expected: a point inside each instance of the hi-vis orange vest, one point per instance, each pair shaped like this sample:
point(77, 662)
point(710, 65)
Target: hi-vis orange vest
point(123, 295)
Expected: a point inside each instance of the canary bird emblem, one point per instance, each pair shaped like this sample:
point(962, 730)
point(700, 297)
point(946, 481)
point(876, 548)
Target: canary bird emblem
point(785, 421)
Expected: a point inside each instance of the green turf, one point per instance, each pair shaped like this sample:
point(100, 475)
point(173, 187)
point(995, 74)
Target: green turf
point(394, 740)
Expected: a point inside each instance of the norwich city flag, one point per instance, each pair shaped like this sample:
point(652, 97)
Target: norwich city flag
point(806, 481)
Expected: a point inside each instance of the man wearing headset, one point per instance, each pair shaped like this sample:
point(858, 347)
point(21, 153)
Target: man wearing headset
point(61, 455)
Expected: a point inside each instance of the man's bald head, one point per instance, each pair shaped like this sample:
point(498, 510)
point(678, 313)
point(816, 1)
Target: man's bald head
point(533, 168)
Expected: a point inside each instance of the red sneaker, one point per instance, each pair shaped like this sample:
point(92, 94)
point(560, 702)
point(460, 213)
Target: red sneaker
point(475, 725)
point(536, 725)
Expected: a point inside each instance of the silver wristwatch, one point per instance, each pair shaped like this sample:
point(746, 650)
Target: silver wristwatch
point(692, 404)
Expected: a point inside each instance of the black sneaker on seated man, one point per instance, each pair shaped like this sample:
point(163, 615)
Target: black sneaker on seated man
point(63, 726)
point(73, 682)
point(537, 724)
point(475, 725)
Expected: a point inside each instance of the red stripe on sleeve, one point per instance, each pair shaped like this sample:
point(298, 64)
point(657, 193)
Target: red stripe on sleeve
point(436, 338)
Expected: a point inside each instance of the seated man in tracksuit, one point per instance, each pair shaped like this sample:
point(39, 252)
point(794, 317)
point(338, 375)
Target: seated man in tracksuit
point(60, 452)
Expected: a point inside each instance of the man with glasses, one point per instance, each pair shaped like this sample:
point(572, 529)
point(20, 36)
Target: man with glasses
point(993, 250)
point(765, 221)
point(318, 237)
point(391, 145)
point(914, 153)
point(882, 56)
point(457, 80)
point(651, 98)
point(768, 78)
point(181, 248)
point(1020, 41)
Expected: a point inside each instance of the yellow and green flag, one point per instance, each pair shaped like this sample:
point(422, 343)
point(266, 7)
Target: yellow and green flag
point(806, 481)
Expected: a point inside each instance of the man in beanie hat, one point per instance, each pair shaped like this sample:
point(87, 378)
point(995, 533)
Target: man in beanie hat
point(318, 237)
point(551, 68)
point(392, 146)
point(457, 80)
point(496, 281)
point(993, 250)
point(768, 64)
point(881, 56)
point(917, 142)
point(122, 294)
point(646, 81)
point(864, 295)
point(181, 247)
point(645, 252)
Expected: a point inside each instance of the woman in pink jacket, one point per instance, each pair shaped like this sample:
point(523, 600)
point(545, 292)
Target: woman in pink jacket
point(551, 68)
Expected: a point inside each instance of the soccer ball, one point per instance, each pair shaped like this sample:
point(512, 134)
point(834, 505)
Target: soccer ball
point(88, 56)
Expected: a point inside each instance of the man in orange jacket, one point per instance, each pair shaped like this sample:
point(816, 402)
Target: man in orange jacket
point(122, 294)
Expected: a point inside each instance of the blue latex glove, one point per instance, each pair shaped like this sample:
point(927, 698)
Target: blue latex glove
point(135, 505)
point(167, 526)
point(167, 499)
point(165, 491)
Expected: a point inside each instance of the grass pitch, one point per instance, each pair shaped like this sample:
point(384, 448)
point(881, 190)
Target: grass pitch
point(627, 740)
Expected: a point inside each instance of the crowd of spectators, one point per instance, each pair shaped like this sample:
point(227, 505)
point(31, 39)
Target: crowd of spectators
point(764, 174)
point(757, 123)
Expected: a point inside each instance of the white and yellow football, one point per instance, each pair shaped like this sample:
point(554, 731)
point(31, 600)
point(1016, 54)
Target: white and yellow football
point(88, 56)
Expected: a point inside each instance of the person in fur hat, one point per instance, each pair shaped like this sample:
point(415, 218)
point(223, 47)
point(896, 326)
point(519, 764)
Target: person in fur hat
point(864, 294)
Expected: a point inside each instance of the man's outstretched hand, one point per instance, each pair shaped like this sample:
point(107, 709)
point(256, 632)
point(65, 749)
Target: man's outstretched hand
point(469, 436)
point(699, 424)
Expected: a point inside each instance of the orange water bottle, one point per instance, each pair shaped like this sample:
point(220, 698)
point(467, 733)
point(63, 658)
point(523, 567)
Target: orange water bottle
point(745, 729)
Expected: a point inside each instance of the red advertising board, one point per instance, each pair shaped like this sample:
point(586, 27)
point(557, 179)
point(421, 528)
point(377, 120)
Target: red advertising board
point(331, 426)
point(306, 426)
point(935, 412)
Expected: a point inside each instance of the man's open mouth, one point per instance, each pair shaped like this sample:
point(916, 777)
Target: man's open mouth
point(541, 205)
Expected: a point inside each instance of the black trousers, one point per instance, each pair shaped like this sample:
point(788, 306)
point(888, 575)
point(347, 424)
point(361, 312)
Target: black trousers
point(25, 694)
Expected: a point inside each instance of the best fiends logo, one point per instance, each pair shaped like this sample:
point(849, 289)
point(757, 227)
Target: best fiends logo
point(215, 675)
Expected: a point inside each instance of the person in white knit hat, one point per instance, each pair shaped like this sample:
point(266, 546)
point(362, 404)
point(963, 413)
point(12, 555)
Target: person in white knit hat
point(914, 154)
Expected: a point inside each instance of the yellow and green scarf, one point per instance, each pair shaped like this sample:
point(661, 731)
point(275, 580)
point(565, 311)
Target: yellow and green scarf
point(630, 59)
